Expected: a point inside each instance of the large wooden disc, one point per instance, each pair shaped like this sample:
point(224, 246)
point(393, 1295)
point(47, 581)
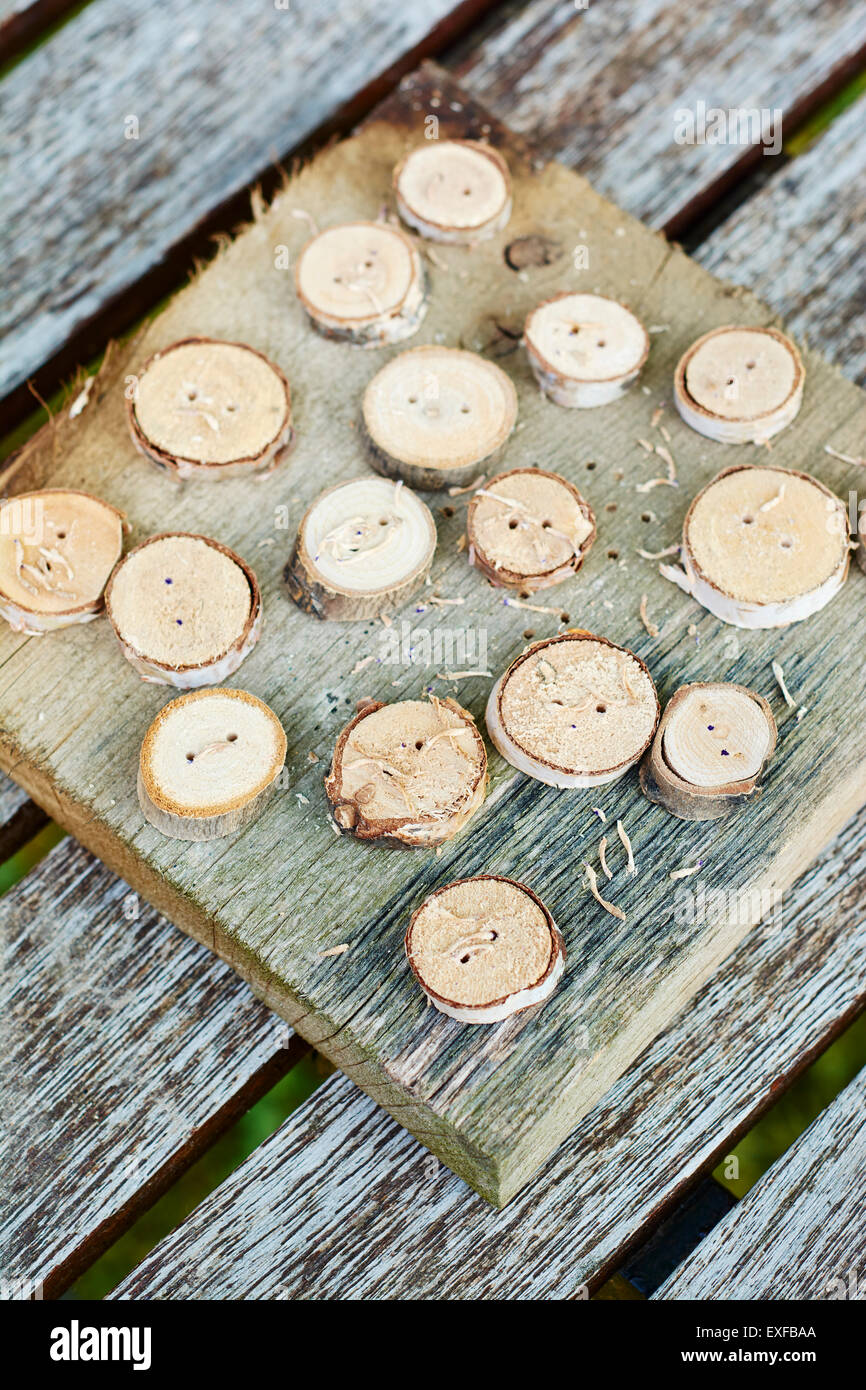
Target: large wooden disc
point(740, 385)
point(454, 190)
point(362, 281)
point(585, 349)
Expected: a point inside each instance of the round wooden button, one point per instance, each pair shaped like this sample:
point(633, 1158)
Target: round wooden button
point(529, 529)
point(765, 547)
point(573, 711)
point(209, 761)
point(585, 349)
point(363, 548)
point(363, 282)
point(454, 190)
point(208, 409)
point(186, 610)
point(438, 417)
point(740, 385)
point(485, 948)
point(57, 550)
point(411, 772)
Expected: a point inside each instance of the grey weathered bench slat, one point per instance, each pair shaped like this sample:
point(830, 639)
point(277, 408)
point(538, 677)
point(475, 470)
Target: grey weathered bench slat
point(341, 1202)
point(20, 818)
point(800, 1233)
point(599, 89)
point(138, 1047)
point(220, 93)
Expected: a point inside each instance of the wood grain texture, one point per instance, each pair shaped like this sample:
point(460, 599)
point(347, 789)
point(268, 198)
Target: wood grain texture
point(599, 88)
point(800, 1233)
point(340, 1203)
point(801, 243)
point(20, 818)
point(127, 1050)
point(491, 1104)
point(219, 93)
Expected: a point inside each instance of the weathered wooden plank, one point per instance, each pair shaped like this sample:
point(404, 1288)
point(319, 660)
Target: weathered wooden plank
point(340, 1203)
point(125, 133)
point(801, 243)
point(800, 1233)
point(127, 1050)
point(599, 87)
point(20, 818)
point(494, 1104)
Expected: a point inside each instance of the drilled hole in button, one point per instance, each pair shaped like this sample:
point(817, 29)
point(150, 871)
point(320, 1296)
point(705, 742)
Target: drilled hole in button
point(546, 525)
point(512, 525)
point(231, 738)
point(419, 744)
point(601, 709)
point(750, 366)
point(464, 410)
point(413, 400)
point(601, 343)
point(786, 543)
point(747, 520)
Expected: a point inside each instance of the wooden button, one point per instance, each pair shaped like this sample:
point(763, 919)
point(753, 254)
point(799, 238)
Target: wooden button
point(362, 282)
point(765, 547)
point(57, 550)
point(454, 191)
point(740, 385)
point(209, 762)
point(585, 349)
point(363, 548)
point(438, 417)
point(412, 772)
point(185, 609)
point(529, 529)
point(484, 948)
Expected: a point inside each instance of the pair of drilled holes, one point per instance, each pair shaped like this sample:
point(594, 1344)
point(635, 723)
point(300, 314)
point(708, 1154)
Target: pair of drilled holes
point(573, 332)
point(193, 396)
point(513, 525)
point(494, 936)
point(785, 543)
point(230, 738)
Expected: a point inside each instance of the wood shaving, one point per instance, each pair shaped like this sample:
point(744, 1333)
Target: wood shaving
point(626, 843)
point(462, 543)
point(359, 665)
point(334, 950)
point(844, 458)
point(773, 501)
point(657, 415)
point(533, 607)
point(676, 576)
point(470, 487)
point(304, 216)
point(665, 434)
point(445, 602)
point(645, 444)
point(779, 673)
point(602, 856)
point(651, 627)
point(592, 883)
point(596, 810)
point(460, 675)
point(667, 457)
point(81, 400)
point(654, 482)
point(689, 872)
point(658, 554)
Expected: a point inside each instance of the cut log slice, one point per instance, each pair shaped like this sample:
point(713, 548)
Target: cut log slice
point(528, 529)
point(740, 385)
point(573, 711)
point(57, 550)
point(765, 547)
point(209, 762)
point(485, 948)
point(363, 548)
point(456, 191)
point(709, 753)
point(363, 283)
point(411, 773)
point(207, 409)
point(186, 610)
point(585, 349)
point(438, 417)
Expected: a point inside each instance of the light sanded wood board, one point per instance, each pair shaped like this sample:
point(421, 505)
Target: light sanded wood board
point(491, 1103)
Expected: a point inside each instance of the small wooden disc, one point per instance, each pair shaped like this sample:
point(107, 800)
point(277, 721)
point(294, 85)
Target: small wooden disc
point(57, 550)
point(484, 948)
point(456, 191)
point(363, 282)
point(585, 349)
point(411, 772)
point(208, 409)
point(765, 547)
point(438, 417)
point(186, 610)
point(739, 385)
point(713, 742)
point(363, 548)
point(573, 711)
point(208, 762)
point(529, 529)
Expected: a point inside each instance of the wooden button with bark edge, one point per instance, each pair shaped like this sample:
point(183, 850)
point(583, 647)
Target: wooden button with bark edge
point(438, 417)
point(573, 711)
point(740, 385)
point(207, 409)
point(484, 948)
point(585, 349)
point(456, 191)
point(363, 548)
point(57, 550)
point(209, 763)
point(528, 529)
point(186, 610)
point(411, 773)
point(362, 282)
point(765, 547)
point(712, 746)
